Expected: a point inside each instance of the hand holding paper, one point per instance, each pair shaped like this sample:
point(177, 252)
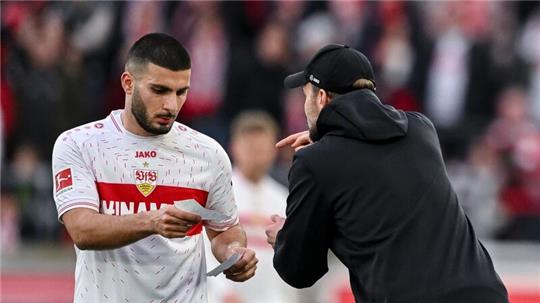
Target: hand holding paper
point(241, 262)
point(225, 265)
point(193, 206)
point(244, 268)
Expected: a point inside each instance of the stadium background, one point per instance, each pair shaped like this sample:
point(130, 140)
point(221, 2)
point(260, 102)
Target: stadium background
point(472, 67)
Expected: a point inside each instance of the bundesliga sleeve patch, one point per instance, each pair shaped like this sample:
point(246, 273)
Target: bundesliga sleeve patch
point(63, 181)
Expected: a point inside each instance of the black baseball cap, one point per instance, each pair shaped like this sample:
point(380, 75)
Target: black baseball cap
point(334, 68)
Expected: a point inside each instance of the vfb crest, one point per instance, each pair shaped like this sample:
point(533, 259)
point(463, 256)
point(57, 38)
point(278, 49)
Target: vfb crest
point(146, 181)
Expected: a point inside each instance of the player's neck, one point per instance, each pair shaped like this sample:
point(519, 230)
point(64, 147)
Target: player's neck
point(252, 176)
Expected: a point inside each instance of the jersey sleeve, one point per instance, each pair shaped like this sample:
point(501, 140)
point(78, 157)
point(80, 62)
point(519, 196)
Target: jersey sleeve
point(74, 182)
point(221, 196)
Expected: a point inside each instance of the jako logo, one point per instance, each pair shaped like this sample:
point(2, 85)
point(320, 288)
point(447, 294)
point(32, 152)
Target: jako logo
point(145, 154)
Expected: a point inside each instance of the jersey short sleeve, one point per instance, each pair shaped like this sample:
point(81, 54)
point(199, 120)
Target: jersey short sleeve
point(74, 182)
point(221, 195)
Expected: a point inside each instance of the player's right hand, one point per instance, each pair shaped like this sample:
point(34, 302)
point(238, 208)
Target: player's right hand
point(244, 269)
point(296, 141)
point(171, 222)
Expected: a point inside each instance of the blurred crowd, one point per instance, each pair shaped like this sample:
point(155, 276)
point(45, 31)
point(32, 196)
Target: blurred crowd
point(472, 67)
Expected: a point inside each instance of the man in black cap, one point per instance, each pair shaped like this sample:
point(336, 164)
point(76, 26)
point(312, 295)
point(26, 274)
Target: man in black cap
point(370, 184)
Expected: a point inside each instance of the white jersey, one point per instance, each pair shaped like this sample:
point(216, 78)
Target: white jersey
point(103, 167)
point(256, 203)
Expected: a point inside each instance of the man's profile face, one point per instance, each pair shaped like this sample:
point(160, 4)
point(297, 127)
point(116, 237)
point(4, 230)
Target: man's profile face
point(158, 96)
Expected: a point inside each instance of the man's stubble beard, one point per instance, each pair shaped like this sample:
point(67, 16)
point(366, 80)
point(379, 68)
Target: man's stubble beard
point(138, 109)
point(313, 133)
point(312, 126)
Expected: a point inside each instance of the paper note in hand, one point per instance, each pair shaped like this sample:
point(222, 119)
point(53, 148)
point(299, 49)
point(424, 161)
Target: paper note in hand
point(225, 265)
point(193, 207)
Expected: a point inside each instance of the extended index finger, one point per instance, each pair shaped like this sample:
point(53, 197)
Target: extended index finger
point(289, 140)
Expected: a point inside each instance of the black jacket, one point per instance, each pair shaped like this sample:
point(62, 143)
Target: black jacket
point(374, 190)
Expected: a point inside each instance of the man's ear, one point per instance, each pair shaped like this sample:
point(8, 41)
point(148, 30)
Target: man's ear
point(323, 99)
point(127, 82)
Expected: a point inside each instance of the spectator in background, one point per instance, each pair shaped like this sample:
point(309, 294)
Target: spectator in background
point(244, 21)
point(455, 89)
point(512, 120)
point(289, 13)
point(395, 56)
point(255, 76)
point(27, 179)
point(516, 139)
point(314, 31)
point(201, 26)
point(353, 19)
point(92, 33)
point(483, 165)
point(34, 73)
point(140, 18)
point(477, 182)
point(521, 195)
point(253, 135)
point(7, 102)
point(60, 52)
point(505, 65)
point(529, 48)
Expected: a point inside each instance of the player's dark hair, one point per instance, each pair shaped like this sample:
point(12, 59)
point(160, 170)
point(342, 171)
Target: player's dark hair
point(159, 49)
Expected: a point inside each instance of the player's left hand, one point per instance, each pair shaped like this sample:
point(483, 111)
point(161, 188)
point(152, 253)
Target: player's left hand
point(245, 268)
point(274, 228)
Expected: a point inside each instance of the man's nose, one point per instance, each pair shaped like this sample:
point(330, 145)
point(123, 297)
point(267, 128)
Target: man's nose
point(170, 103)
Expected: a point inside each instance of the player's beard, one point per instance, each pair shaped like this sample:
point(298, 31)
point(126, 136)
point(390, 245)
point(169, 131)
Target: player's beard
point(138, 109)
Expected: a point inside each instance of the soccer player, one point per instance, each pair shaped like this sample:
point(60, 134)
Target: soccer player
point(253, 135)
point(116, 180)
point(369, 183)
